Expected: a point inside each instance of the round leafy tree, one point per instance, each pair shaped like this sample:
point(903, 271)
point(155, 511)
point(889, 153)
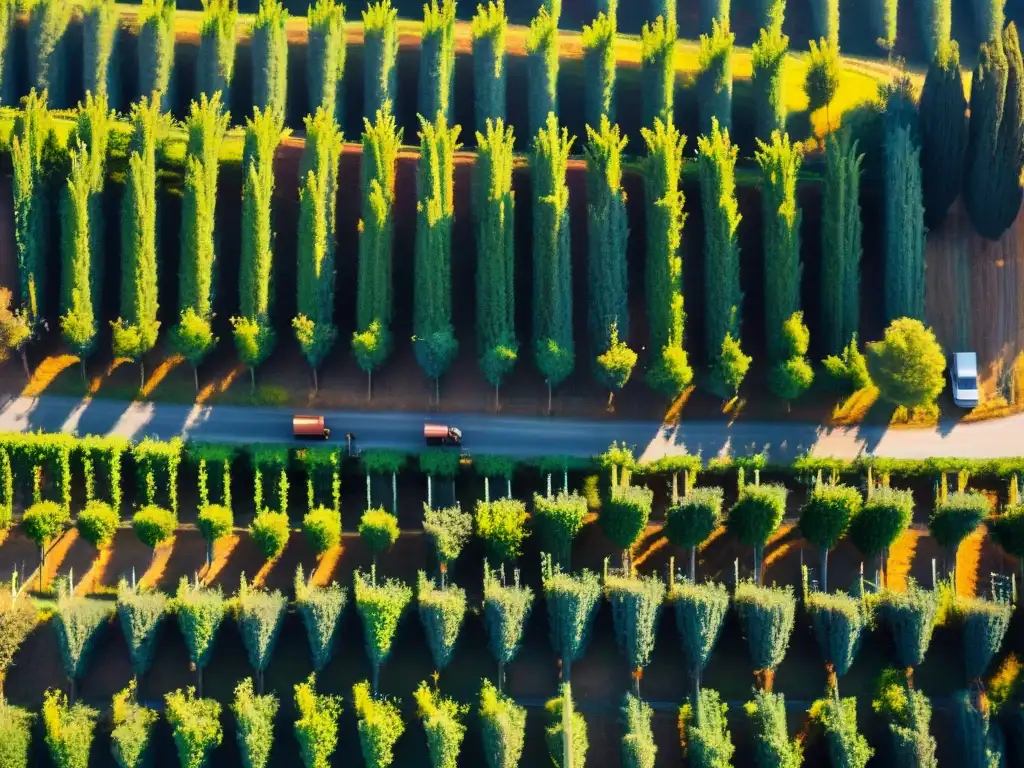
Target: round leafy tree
point(322, 527)
point(154, 525)
point(691, 520)
point(755, 517)
point(883, 519)
point(825, 517)
point(270, 531)
point(908, 365)
point(379, 529)
point(98, 523)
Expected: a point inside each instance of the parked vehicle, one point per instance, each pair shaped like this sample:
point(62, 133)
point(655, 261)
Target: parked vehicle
point(963, 374)
point(438, 434)
point(310, 428)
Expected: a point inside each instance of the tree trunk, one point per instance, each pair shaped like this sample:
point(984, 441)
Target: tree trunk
point(195, 376)
point(259, 681)
point(487, 490)
point(549, 398)
point(394, 493)
point(757, 566)
point(437, 392)
point(209, 555)
point(675, 487)
point(252, 380)
point(636, 683)
point(71, 692)
point(610, 407)
point(142, 374)
point(316, 382)
point(24, 364)
point(199, 681)
point(696, 687)
point(85, 372)
point(824, 570)
point(693, 565)
point(497, 401)
point(42, 566)
point(501, 677)
point(369, 385)
point(508, 495)
point(376, 677)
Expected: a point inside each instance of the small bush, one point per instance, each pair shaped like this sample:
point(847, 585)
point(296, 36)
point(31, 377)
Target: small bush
point(553, 732)
point(322, 527)
point(502, 527)
point(98, 523)
point(215, 521)
point(557, 520)
point(44, 521)
point(154, 525)
point(767, 713)
point(270, 531)
point(379, 529)
point(449, 529)
point(906, 713)
point(705, 733)
point(838, 719)
point(502, 726)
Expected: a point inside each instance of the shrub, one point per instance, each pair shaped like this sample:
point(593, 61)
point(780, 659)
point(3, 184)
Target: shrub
point(506, 609)
point(638, 747)
point(449, 530)
point(18, 617)
point(43, 522)
point(624, 516)
point(200, 611)
point(838, 622)
point(254, 716)
point(553, 733)
point(825, 517)
point(956, 517)
point(883, 519)
point(379, 529)
point(977, 741)
point(195, 723)
point(766, 617)
point(1008, 530)
point(316, 728)
point(142, 613)
point(502, 727)
point(755, 517)
point(15, 736)
point(767, 713)
point(838, 718)
point(572, 603)
point(636, 608)
point(98, 523)
point(690, 521)
point(906, 713)
point(154, 525)
point(705, 734)
point(380, 607)
point(848, 372)
point(442, 611)
point(442, 721)
point(700, 615)
point(259, 614)
point(270, 532)
point(501, 525)
point(320, 609)
point(215, 521)
point(68, 730)
point(822, 74)
point(910, 616)
point(985, 623)
point(380, 726)
point(715, 78)
point(322, 527)
point(79, 621)
point(908, 365)
point(133, 727)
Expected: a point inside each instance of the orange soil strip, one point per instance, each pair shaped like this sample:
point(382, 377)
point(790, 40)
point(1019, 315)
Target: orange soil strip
point(901, 557)
point(855, 407)
point(719, 531)
point(1006, 679)
point(265, 570)
point(325, 566)
point(97, 381)
point(222, 549)
point(155, 573)
point(967, 558)
point(55, 556)
point(218, 387)
point(96, 572)
point(675, 411)
point(167, 365)
point(795, 544)
point(46, 372)
point(651, 542)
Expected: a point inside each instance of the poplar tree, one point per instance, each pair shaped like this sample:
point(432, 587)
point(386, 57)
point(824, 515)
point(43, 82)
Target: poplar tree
point(434, 335)
point(215, 66)
point(314, 322)
point(658, 71)
point(840, 242)
point(714, 84)
point(716, 162)
point(325, 57)
point(489, 28)
point(372, 341)
point(989, 16)
point(943, 130)
point(821, 81)
point(607, 232)
point(826, 19)
point(205, 126)
point(904, 227)
point(768, 81)
point(599, 70)
point(494, 219)
point(47, 49)
point(553, 347)
point(99, 35)
point(254, 336)
point(437, 60)
point(883, 16)
point(542, 66)
point(8, 62)
point(380, 58)
point(135, 331)
point(506, 610)
point(936, 20)
point(270, 57)
point(156, 49)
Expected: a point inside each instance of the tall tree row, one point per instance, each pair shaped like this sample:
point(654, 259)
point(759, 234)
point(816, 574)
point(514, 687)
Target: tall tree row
point(215, 67)
point(494, 218)
point(658, 70)
point(434, 334)
point(47, 49)
point(883, 16)
point(8, 61)
point(372, 341)
point(840, 243)
point(437, 60)
point(380, 57)
point(714, 83)
point(489, 29)
point(135, 331)
point(785, 332)
point(943, 130)
point(99, 33)
point(270, 57)
point(716, 163)
point(553, 346)
point(325, 57)
point(710, 12)
point(669, 370)
point(253, 334)
point(936, 21)
point(826, 20)
point(318, 195)
point(542, 65)
point(768, 60)
point(988, 18)
point(599, 69)
point(607, 279)
point(156, 49)
point(904, 226)
point(205, 125)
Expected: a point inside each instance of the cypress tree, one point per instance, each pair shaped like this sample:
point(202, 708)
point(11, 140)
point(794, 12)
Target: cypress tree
point(768, 59)
point(135, 332)
point(936, 19)
point(156, 49)
point(434, 335)
point(657, 71)
point(716, 162)
point(710, 12)
point(205, 127)
point(943, 130)
point(489, 28)
point(78, 319)
point(553, 347)
point(904, 227)
point(840, 242)
point(607, 231)
point(669, 372)
point(254, 336)
point(542, 66)
point(437, 60)
point(599, 70)
point(826, 19)
point(314, 323)
point(883, 16)
point(215, 66)
point(714, 84)
point(270, 57)
point(371, 342)
point(8, 60)
point(47, 48)
point(989, 16)
point(380, 57)
point(494, 217)
point(325, 57)
point(99, 33)
point(1010, 149)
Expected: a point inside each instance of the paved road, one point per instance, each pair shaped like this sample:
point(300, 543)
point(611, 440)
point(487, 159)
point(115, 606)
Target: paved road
point(521, 436)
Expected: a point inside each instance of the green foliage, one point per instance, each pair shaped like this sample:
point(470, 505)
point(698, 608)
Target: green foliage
point(988, 18)
point(132, 728)
point(838, 719)
point(755, 516)
point(380, 726)
point(80, 215)
point(553, 345)
point(906, 713)
point(380, 607)
point(826, 19)
point(557, 520)
point(598, 43)
point(977, 741)
point(215, 66)
point(554, 732)
point(99, 33)
point(156, 50)
point(658, 71)
point(943, 128)
point(437, 462)
point(838, 622)
point(320, 609)
point(254, 715)
point(624, 514)
point(156, 470)
point(47, 45)
point(910, 617)
point(506, 609)
point(259, 614)
point(984, 626)
point(955, 518)
point(494, 217)
point(270, 531)
point(15, 736)
point(442, 610)
point(449, 530)
point(379, 461)
point(79, 622)
point(325, 56)
point(827, 513)
point(767, 713)
point(848, 372)
point(904, 227)
point(380, 57)
point(215, 521)
point(691, 520)
point(768, 83)
point(700, 615)
point(200, 612)
point(142, 613)
point(18, 618)
point(68, 730)
point(501, 524)
point(316, 728)
point(766, 617)
point(195, 723)
point(154, 525)
point(908, 365)
point(638, 747)
point(706, 738)
point(636, 608)
point(714, 80)
point(270, 57)
point(542, 67)
point(882, 520)
point(572, 602)
point(503, 727)
point(437, 60)
point(1007, 528)
point(379, 529)
point(322, 527)
point(98, 523)
point(936, 20)
point(489, 28)
point(43, 522)
point(615, 365)
point(442, 722)
point(822, 79)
